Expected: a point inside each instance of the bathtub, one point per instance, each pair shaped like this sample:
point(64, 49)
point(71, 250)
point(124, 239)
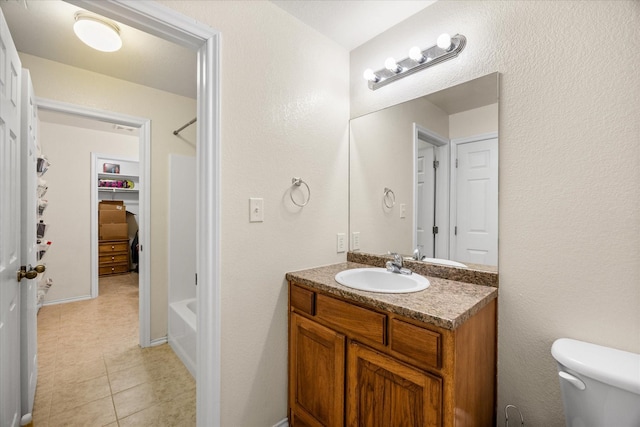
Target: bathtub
point(182, 332)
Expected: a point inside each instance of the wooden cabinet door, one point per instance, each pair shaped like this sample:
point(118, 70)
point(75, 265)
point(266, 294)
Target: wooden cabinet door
point(316, 374)
point(383, 392)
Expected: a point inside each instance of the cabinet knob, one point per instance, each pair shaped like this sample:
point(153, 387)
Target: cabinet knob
point(113, 258)
point(113, 247)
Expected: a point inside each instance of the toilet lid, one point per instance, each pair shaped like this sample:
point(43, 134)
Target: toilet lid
point(608, 365)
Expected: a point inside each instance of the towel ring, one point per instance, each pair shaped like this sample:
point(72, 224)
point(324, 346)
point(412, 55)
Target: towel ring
point(389, 197)
point(297, 182)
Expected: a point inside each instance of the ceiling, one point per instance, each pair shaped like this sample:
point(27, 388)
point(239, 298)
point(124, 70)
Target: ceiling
point(153, 62)
point(351, 23)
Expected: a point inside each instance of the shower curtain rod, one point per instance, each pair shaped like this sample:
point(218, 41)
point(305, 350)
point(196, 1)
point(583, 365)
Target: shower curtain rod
point(177, 131)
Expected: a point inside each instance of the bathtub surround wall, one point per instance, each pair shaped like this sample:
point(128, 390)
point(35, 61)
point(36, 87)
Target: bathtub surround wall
point(167, 111)
point(68, 213)
point(569, 170)
point(182, 228)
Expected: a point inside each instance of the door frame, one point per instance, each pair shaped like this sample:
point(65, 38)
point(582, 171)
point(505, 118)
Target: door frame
point(441, 144)
point(144, 141)
point(163, 22)
point(454, 181)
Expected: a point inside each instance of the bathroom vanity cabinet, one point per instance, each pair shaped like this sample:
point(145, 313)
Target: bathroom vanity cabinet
point(354, 364)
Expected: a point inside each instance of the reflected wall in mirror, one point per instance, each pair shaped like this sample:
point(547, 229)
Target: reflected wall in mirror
point(438, 154)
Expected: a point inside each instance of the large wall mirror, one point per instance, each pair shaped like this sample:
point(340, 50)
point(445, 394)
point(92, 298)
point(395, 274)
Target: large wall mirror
point(424, 175)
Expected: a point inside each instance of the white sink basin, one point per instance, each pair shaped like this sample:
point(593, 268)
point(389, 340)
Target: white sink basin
point(444, 262)
point(380, 280)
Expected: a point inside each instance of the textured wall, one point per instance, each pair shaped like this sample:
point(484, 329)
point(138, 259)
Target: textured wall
point(69, 150)
point(167, 112)
point(569, 170)
point(285, 112)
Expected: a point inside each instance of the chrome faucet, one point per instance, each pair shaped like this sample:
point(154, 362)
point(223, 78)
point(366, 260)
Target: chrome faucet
point(417, 255)
point(395, 266)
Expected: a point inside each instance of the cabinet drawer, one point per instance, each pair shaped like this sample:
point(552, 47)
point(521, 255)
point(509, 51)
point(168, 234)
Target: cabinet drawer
point(354, 320)
point(121, 246)
point(303, 300)
point(421, 345)
point(113, 269)
point(114, 258)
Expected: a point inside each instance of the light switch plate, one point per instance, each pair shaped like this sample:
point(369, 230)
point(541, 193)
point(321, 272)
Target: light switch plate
point(256, 210)
point(355, 241)
point(340, 245)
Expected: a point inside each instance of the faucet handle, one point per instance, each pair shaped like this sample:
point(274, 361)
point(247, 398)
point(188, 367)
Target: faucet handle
point(416, 254)
point(397, 259)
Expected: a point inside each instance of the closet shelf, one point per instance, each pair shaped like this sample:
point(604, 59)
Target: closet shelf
point(119, 176)
point(117, 190)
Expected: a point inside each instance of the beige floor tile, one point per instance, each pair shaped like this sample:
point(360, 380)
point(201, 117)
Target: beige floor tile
point(67, 396)
point(42, 404)
point(118, 360)
point(91, 366)
point(81, 371)
point(181, 411)
point(135, 399)
point(149, 417)
point(131, 377)
point(97, 413)
point(76, 355)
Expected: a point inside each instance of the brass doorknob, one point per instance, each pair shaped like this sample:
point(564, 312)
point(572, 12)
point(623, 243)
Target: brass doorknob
point(32, 273)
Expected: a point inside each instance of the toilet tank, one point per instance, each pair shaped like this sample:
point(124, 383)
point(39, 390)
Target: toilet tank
point(600, 385)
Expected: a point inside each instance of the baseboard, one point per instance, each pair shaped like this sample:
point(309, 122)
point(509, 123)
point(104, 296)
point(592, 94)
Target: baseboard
point(282, 423)
point(158, 341)
point(67, 300)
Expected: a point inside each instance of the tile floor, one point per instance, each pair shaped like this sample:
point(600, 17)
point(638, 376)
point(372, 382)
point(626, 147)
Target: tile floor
point(91, 371)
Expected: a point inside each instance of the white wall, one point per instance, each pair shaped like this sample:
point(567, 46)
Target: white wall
point(68, 213)
point(285, 113)
point(569, 170)
point(474, 122)
point(167, 112)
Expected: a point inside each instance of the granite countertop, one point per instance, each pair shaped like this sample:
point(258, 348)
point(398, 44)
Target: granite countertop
point(445, 303)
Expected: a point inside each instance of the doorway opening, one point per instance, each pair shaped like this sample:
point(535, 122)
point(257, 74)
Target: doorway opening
point(431, 193)
point(143, 126)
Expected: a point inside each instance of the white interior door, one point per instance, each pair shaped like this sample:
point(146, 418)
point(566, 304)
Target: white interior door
point(29, 287)
point(426, 191)
point(10, 73)
point(477, 202)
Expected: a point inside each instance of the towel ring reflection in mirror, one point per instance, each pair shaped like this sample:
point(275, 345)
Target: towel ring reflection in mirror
point(297, 182)
point(389, 198)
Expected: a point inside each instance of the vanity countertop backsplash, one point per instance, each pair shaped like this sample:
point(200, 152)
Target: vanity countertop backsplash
point(453, 296)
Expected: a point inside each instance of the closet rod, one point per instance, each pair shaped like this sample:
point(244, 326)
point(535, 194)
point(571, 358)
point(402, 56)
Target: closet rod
point(177, 131)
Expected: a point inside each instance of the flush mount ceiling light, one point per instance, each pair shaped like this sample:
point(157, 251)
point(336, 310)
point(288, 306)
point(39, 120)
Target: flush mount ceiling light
point(447, 47)
point(97, 32)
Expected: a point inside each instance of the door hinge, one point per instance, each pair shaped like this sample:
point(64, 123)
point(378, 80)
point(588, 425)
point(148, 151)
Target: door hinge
point(456, 162)
point(455, 230)
point(436, 164)
point(435, 229)
point(196, 279)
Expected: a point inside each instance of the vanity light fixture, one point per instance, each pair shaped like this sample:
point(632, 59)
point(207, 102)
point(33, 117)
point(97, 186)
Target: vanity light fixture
point(446, 48)
point(97, 32)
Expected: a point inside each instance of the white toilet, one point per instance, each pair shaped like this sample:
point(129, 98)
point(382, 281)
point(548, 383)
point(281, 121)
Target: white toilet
point(600, 385)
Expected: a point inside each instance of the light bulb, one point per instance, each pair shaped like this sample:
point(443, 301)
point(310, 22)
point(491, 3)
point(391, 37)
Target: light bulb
point(370, 75)
point(391, 65)
point(444, 41)
point(97, 32)
point(415, 53)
